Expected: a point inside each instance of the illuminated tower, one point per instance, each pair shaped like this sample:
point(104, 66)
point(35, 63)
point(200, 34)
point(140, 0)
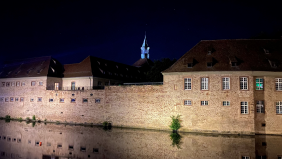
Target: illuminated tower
point(145, 49)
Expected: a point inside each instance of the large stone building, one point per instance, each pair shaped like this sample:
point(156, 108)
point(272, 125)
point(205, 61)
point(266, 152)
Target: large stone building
point(223, 86)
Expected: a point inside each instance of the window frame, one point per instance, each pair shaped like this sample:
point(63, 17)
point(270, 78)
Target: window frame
point(277, 84)
point(22, 83)
point(260, 108)
point(31, 100)
point(227, 103)
point(38, 99)
point(280, 107)
point(11, 99)
point(187, 100)
point(84, 101)
point(32, 83)
point(56, 85)
point(6, 99)
point(207, 87)
point(40, 84)
point(73, 88)
point(97, 99)
point(262, 83)
point(247, 83)
point(222, 84)
point(50, 101)
point(18, 83)
point(205, 102)
point(74, 100)
point(187, 83)
point(62, 100)
point(246, 107)
point(21, 99)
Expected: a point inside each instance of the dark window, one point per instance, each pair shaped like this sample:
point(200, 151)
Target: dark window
point(59, 146)
point(85, 100)
point(263, 143)
point(83, 149)
point(73, 100)
point(19, 140)
point(39, 99)
point(95, 150)
point(190, 65)
point(9, 139)
point(36, 143)
point(70, 147)
point(209, 64)
point(97, 100)
point(233, 64)
point(51, 100)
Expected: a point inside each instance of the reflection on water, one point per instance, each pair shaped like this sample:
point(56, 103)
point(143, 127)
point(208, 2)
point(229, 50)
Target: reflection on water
point(27, 141)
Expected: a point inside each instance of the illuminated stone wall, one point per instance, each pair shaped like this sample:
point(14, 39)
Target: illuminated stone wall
point(151, 106)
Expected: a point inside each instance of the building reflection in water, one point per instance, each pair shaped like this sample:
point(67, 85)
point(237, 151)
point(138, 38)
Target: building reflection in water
point(21, 140)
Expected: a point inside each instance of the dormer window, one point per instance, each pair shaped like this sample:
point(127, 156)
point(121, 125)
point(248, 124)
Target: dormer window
point(266, 51)
point(189, 61)
point(116, 66)
point(102, 71)
point(52, 69)
point(17, 72)
point(106, 64)
point(209, 52)
point(273, 63)
point(233, 61)
point(209, 64)
point(98, 62)
point(54, 61)
point(233, 64)
point(39, 71)
point(190, 65)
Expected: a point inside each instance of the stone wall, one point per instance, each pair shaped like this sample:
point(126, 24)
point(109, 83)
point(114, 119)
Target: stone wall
point(151, 106)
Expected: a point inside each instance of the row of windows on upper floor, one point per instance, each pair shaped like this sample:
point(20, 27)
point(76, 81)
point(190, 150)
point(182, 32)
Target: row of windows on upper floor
point(260, 107)
point(39, 99)
point(18, 83)
point(226, 83)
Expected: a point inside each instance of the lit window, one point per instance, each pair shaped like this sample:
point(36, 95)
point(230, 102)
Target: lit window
point(11, 99)
point(97, 100)
point(187, 83)
point(21, 99)
point(85, 100)
point(226, 103)
point(260, 107)
point(244, 107)
point(73, 100)
point(225, 83)
point(51, 100)
point(12, 83)
point(72, 85)
point(259, 83)
point(33, 83)
point(56, 86)
point(40, 83)
point(278, 84)
point(279, 107)
point(204, 83)
point(187, 102)
point(31, 99)
point(204, 103)
point(62, 100)
point(18, 84)
point(243, 83)
point(39, 99)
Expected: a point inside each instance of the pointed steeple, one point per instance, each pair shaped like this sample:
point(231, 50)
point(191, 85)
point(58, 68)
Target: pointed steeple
point(145, 49)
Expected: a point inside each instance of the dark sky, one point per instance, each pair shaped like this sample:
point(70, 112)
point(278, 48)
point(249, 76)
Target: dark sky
point(114, 30)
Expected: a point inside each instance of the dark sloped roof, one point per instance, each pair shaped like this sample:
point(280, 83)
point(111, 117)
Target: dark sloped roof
point(32, 67)
point(249, 55)
point(97, 67)
point(143, 63)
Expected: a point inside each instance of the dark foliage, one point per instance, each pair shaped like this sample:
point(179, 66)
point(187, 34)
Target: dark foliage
point(154, 74)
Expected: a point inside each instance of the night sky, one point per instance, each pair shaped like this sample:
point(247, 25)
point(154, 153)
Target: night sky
point(114, 30)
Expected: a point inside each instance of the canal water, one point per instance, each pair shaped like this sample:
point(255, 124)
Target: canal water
point(36, 141)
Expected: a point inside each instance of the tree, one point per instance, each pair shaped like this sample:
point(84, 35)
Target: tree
point(175, 123)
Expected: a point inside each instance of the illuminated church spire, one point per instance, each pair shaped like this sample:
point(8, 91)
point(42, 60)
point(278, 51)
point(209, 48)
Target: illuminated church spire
point(145, 49)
